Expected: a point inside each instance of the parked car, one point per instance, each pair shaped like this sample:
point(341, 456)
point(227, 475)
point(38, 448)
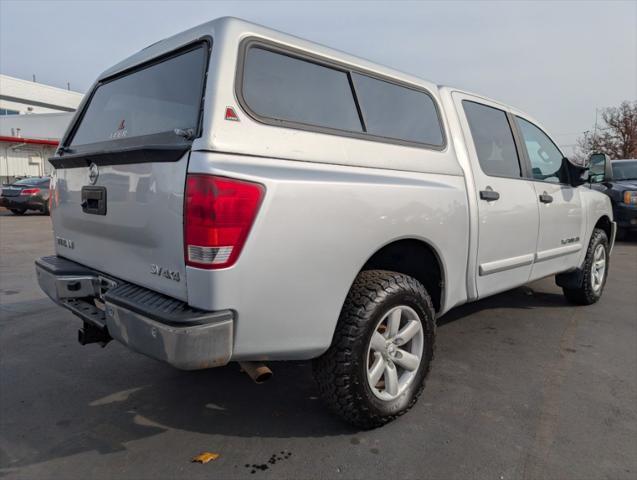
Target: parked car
point(233, 193)
point(30, 193)
point(621, 187)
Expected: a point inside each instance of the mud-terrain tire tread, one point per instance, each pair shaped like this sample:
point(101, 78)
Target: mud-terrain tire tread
point(334, 371)
point(584, 294)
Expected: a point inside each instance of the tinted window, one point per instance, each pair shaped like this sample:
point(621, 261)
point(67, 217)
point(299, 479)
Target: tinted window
point(156, 99)
point(493, 140)
point(286, 88)
point(397, 112)
point(624, 170)
point(546, 159)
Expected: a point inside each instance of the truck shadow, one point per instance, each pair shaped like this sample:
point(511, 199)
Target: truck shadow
point(526, 297)
point(154, 399)
point(627, 237)
point(113, 396)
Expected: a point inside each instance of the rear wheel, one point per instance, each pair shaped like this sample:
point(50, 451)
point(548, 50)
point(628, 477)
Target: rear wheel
point(383, 345)
point(18, 211)
point(595, 271)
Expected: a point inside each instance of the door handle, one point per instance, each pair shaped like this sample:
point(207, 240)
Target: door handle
point(546, 198)
point(489, 195)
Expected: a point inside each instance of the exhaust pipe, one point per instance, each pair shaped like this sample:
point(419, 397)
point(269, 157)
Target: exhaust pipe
point(257, 371)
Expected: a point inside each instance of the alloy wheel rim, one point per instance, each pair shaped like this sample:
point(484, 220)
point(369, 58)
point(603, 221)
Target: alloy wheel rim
point(395, 352)
point(598, 267)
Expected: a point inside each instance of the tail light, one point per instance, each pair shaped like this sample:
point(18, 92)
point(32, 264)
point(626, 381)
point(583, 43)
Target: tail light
point(30, 191)
point(218, 215)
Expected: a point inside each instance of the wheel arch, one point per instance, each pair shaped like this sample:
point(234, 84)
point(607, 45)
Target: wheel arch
point(416, 257)
point(605, 223)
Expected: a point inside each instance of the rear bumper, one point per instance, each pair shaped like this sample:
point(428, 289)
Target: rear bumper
point(20, 203)
point(146, 321)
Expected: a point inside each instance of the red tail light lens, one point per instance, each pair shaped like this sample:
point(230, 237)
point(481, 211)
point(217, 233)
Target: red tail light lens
point(218, 216)
point(30, 191)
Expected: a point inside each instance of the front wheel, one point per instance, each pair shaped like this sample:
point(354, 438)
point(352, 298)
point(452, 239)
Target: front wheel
point(381, 352)
point(18, 211)
point(595, 271)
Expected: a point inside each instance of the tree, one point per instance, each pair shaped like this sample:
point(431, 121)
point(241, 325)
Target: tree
point(616, 136)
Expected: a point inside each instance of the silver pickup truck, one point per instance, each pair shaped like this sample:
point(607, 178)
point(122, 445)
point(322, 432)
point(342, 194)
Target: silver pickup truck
point(233, 193)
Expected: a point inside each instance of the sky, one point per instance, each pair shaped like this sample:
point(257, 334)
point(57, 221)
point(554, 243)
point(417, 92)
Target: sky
point(558, 61)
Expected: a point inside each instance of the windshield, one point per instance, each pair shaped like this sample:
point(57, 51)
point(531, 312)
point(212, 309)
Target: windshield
point(155, 99)
point(624, 170)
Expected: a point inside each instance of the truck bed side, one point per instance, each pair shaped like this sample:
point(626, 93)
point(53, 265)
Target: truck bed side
point(317, 227)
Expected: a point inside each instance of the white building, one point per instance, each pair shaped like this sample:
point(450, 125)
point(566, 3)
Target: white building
point(19, 97)
point(33, 118)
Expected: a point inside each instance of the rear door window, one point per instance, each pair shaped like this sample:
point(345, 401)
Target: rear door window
point(493, 140)
point(281, 87)
point(398, 112)
point(152, 100)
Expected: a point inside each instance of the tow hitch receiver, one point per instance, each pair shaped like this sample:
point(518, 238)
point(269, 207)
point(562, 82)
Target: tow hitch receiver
point(90, 333)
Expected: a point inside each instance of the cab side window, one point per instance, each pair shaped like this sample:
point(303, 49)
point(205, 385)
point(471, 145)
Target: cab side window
point(286, 88)
point(545, 157)
point(394, 111)
point(493, 140)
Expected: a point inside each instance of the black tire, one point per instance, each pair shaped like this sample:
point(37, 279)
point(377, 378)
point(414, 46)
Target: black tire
point(341, 372)
point(585, 293)
point(45, 210)
point(18, 211)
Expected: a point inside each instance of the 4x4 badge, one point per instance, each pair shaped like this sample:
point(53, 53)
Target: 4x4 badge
point(164, 272)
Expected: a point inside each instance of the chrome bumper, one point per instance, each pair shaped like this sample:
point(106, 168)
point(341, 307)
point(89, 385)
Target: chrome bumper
point(145, 321)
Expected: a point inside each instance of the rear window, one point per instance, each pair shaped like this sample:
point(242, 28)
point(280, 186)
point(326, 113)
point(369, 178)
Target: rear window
point(394, 111)
point(32, 181)
point(286, 88)
point(154, 99)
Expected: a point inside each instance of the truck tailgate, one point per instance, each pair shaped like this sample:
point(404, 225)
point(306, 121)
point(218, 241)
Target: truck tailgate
point(140, 236)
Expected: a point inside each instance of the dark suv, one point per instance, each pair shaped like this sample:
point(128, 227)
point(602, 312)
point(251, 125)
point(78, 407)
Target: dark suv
point(622, 190)
point(26, 194)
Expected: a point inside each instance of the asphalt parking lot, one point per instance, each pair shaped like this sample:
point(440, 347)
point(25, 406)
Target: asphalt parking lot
point(523, 386)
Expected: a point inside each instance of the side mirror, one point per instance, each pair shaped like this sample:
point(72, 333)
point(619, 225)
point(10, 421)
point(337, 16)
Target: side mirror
point(576, 174)
point(600, 170)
